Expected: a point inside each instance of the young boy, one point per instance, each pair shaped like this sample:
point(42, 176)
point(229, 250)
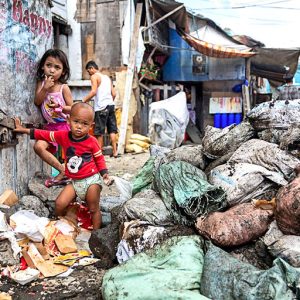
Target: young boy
point(84, 160)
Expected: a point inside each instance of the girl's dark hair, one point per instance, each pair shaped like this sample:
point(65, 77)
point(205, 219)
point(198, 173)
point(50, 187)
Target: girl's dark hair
point(58, 54)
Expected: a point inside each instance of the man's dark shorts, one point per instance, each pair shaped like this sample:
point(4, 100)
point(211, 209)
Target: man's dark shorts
point(105, 118)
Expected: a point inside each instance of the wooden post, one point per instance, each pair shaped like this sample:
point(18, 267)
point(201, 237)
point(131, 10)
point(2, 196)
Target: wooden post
point(129, 78)
point(245, 90)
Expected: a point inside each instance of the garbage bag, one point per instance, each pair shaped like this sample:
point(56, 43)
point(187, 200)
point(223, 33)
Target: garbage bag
point(244, 181)
point(286, 247)
point(168, 120)
point(186, 192)
point(218, 142)
point(192, 154)
point(287, 211)
point(138, 236)
point(225, 277)
point(170, 271)
point(267, 155)
point(271, 135)
point(236, 226)
point(144, 177)
point(146, 206)
point(278, 115)
point(124, 187)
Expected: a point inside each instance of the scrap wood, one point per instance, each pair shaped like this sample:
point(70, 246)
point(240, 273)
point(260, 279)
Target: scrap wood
point(46, 267)
point(9, 198)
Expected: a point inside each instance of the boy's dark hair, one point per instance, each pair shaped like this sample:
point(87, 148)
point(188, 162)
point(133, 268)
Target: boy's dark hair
point(91, 64)
point(58, 54)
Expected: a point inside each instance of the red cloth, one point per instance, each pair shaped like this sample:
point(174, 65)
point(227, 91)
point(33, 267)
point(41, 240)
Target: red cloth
point(83, 157)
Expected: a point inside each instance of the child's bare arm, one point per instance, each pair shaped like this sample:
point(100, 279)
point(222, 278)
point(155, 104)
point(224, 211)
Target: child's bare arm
point(19, 128)
point(68, 98)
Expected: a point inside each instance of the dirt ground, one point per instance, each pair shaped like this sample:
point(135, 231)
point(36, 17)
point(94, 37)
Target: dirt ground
point(125, 166)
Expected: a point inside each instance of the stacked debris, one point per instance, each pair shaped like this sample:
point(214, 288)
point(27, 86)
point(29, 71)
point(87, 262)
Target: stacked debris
point(44, 248)
point(237, 191)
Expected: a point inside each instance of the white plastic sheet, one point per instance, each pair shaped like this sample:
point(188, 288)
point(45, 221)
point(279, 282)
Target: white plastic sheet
point(168, 120)
point(30, 224)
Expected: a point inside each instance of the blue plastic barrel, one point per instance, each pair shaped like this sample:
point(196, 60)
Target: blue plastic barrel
point(217, 120)
point(224, 120)
point(231, 119)
point(238, 118)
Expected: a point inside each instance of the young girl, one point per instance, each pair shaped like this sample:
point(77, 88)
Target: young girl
point(54, 97)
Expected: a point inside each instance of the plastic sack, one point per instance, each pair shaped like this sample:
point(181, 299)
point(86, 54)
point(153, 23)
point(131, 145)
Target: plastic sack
point(168, 120)
point(225, 277)
point(278, 114)
point(244, 181)
point(146, 206)
point(286, 247)
point(138, 236)
point(186, 192)
point(218, 142)
point(267, 155)
point(170, 271)
point(124, 187)
point(192, 154)
point(287, 212)
point(30, 224)
point(144, 177)
point(236, 226)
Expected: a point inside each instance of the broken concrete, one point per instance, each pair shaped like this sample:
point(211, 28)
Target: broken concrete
point(103, 244)
point(35, 204)
point(6, 254)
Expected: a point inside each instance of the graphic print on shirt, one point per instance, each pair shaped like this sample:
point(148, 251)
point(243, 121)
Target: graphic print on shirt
point(75, 162)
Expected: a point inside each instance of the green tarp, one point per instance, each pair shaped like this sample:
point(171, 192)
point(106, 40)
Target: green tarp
point(225, 277)
point(186, 192)
point(169, 271)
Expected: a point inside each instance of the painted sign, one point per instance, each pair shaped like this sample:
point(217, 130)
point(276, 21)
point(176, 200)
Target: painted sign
point(25, 34)
point(225, 105)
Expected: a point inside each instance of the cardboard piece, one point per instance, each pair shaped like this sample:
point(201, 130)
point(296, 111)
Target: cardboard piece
point(9, 198)
point(40, 247)
point(49, 269)
point(65, 244)
point(46, 267)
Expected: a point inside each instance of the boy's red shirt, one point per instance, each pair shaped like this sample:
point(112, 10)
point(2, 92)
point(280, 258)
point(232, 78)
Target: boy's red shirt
point(83, 157)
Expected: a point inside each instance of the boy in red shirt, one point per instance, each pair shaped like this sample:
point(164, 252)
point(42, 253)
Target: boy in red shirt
point(84, 160)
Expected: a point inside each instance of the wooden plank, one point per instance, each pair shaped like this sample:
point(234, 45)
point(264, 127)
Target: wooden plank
point(21, 165)
point(129, 78)
point(108, 41)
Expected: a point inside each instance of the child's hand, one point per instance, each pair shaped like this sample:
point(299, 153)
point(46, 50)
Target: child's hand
point(49, 82)
point(107, 180)
point(19, 128)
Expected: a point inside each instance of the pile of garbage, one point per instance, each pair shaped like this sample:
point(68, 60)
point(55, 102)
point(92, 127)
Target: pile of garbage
point(219, 220)
point(42, 247)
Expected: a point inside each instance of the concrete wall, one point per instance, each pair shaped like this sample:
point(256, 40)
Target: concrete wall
point(25, 34)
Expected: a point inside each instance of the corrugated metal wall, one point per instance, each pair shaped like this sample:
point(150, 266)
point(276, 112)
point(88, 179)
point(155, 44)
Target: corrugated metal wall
point(25, 34)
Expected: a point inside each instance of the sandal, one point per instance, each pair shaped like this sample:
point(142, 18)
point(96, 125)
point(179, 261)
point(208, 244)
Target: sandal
point(115, 156)
point(52, 182)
